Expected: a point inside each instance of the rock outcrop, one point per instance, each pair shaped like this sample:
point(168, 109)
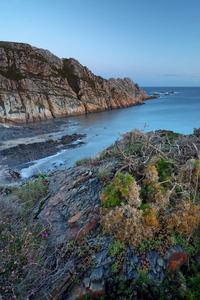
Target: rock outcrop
point(36, 85)
point(72, 207)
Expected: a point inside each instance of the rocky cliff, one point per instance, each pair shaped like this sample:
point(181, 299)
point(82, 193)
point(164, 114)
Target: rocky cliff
point(35, 85)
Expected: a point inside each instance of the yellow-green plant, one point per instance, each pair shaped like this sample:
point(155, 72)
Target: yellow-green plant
point(117, 190)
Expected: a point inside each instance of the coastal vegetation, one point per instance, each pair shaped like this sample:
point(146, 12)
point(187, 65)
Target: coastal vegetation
point(167, 168)
point(149, 187)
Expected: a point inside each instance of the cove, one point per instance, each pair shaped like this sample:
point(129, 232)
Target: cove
point(178, 111)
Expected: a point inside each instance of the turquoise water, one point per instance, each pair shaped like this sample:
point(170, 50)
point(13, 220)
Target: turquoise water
point(179, 112)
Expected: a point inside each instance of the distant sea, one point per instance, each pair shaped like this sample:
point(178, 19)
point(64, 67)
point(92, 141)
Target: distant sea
point(178, 111)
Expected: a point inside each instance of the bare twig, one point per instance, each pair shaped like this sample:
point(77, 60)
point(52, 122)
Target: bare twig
point(198, 153)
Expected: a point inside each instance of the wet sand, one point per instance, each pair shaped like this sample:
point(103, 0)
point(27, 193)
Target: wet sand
point(21, 145)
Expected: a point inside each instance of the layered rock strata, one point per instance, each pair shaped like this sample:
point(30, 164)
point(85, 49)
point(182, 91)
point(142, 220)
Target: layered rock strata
point(36, 85)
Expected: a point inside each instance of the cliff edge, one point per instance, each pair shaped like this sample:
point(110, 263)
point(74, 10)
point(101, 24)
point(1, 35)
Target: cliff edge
point(35, 84)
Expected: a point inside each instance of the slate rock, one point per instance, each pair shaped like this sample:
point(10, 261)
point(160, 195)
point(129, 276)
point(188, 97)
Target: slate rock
point(152, 274)
point(161, 275)
point(86, 282)
point(100, 257)
point(97, 280)
point(161, 262)
point(152, 257)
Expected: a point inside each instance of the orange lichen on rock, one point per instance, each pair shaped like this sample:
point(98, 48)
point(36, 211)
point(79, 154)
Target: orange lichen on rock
point(176, 260)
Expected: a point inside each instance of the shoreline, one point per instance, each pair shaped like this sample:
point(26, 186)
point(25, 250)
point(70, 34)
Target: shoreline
point(30, 146)
point(37, 141)
point(22, 144)
point(18, 122)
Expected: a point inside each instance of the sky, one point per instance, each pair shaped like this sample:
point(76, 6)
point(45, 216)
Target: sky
point(154, 42)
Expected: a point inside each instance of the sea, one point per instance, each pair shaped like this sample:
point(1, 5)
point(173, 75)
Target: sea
point(176, 109)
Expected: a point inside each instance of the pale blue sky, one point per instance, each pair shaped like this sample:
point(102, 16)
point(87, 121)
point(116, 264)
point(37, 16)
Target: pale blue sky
point(154, 42)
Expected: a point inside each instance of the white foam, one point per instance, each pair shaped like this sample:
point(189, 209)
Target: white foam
point(7, 126)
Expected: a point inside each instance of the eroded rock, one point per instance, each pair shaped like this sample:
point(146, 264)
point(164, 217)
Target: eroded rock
point(35, 84)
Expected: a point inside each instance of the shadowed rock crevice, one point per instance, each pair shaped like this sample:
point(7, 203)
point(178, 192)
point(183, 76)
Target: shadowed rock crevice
point(50, 106)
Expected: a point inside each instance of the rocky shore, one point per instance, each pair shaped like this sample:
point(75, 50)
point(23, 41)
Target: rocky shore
point(21, 145)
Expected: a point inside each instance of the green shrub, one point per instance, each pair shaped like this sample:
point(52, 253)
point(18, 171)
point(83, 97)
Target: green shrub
point(31, 191)
point(194, 287)
point(146, 208)
point(165, 169)
point(43, 176)
point(12, 73)
point(191, 246)
point(83, 161)
point(103, 173)
point(170, 288)
point(116, 190)
point(115, 248)
point(144, 193)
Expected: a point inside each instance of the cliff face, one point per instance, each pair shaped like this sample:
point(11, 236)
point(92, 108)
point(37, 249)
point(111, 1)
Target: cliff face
point(35, 85)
